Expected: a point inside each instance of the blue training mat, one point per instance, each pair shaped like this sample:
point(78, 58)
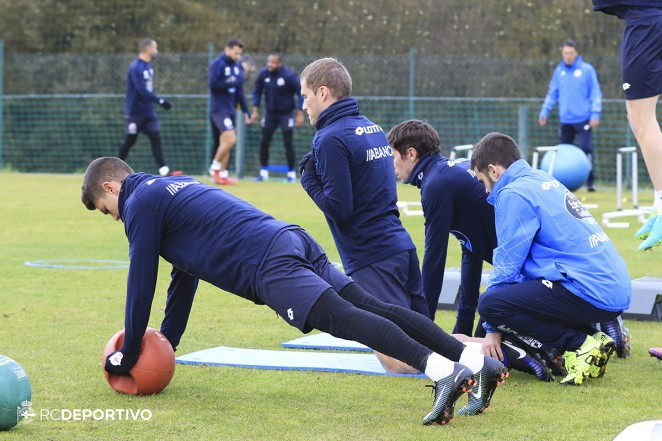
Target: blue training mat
point(325, 341)
point(289, 360)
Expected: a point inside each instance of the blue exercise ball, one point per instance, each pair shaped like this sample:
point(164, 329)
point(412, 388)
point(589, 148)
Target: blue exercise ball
point(571, 167)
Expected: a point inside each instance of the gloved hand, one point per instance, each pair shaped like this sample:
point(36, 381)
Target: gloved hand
point(307, 163)
point(165, 104)
point(119, 363)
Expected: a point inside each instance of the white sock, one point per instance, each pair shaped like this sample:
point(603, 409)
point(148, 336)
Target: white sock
point(292, 174)
point(215, 165)
point(472, 359)
point(657, 202)
point(164, 170)
point(438, 367)
point(264, 173)
point(224, 174)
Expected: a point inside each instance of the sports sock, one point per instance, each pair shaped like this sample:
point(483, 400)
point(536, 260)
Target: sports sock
point(657, 202)
point(224, 174)
point(472, 359)
point(438, 367)
point(215, 165)
point(264, 173)
point(163, 171)
point(291, 175)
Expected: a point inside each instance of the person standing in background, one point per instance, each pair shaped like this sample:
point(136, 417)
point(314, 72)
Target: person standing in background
point(282, 94)
point(138, 108)
point(575, 86)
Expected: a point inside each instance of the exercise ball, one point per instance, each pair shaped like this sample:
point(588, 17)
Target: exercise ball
point(15, 393)
point(571, 167)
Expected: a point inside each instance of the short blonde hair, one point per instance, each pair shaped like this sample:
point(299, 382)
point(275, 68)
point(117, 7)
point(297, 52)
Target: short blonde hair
point(328, 72)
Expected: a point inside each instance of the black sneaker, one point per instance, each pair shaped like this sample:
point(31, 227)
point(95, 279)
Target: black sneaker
point(620, 334)
point(521, 359)
point(489, 377)
point(446, 392)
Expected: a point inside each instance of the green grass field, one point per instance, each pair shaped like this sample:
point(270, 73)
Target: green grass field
point(57, 322)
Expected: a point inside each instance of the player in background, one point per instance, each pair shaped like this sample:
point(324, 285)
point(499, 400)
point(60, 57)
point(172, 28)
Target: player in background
point(226, 86)
point(138, 105)
point(208, 234)
point(556, 272)
point(641, 69)
point(282, 94)
point(574, 85)
point(349, 175)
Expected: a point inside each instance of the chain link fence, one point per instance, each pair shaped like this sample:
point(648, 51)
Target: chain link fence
point(62, 110)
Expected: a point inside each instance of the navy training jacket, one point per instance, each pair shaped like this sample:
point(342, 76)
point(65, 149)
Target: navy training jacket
point(280, 89)
point(354, 186)
point(226, 85)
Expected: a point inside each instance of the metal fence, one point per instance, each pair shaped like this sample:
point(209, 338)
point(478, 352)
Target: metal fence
point(62, 110)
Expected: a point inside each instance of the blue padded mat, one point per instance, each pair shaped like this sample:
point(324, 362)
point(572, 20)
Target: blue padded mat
point(288, 360)
point(325, 341)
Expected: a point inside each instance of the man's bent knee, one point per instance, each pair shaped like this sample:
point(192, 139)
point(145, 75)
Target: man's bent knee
point(395, 366)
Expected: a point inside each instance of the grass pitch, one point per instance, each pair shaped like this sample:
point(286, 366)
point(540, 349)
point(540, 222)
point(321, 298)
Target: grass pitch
point(55, 322)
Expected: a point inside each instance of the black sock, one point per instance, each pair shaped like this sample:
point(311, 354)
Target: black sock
point(341, 319)
point(415, 325)
point(155, 141)
point(129, 141)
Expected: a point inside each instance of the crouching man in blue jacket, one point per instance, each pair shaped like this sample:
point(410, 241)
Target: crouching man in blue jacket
point(555, 270)
point(208, 234)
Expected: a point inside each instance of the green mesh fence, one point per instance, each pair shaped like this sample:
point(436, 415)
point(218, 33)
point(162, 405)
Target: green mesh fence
point(62, 110)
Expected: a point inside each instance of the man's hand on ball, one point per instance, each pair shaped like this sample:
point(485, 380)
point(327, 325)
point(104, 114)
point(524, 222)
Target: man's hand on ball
point(120, 364)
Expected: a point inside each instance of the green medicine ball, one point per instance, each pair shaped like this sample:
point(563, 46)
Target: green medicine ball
point(15, 393)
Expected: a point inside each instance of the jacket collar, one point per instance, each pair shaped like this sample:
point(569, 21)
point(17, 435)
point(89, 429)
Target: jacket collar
point(420, 168)
point(340, 109)
point(516, 170)
point(128, 186)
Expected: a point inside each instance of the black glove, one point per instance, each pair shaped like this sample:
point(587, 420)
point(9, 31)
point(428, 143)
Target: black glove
point(119, 363)
point(165, 104)
point(307, 163)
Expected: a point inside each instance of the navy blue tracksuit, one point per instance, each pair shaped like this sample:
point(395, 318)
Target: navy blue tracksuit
point(354, 186)
point(454, 201)
point(281, 88)
point(208, 234)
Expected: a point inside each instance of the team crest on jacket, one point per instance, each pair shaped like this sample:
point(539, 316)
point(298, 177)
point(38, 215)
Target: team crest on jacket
point(577, 209)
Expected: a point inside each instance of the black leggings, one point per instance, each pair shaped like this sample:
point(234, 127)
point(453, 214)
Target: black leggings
point(398, 332)
point(288, 136)
point(155, 141)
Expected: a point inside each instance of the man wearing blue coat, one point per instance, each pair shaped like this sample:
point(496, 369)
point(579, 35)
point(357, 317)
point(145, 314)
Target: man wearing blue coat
point(574, 85)
point(556, 272)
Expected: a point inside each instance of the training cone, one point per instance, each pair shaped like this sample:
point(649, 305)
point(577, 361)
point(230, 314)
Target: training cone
point(154, 369)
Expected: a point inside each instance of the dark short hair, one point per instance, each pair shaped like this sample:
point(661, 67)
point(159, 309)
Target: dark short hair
point(496, 149)
point(277, 55)
point(232, 42)
point(145, 43)
point(106, 169)
point(417, 134)
point(328, 72)
point(570, 43)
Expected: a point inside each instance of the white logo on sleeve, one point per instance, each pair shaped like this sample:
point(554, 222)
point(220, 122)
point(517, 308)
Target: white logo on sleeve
point(547, 283)
point(290, 314)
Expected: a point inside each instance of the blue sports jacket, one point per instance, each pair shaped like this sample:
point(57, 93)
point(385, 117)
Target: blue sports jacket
point(204, 232)
point(354, 186)
point(454, 201)
point(604, 5)
point(577, 91)
point(544, 232)
point(279, 86)
point(140, 90)
point(226, 85)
